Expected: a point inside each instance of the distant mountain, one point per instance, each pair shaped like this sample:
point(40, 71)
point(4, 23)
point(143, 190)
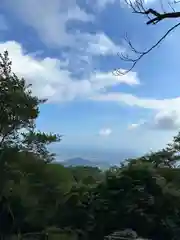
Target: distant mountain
point(84, 162)
point(113, 157)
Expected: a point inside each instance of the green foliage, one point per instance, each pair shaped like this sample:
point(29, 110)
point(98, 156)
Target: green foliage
point(86, 175)
point(40, 198)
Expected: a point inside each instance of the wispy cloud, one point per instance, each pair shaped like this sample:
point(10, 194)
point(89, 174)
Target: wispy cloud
point(105, 132)
point(49, 18)
point(50, 24)
point(135, 101)
point(134, 126)
point(167, 112)
point(100, 4)
point(168, 120)
point(101, 44)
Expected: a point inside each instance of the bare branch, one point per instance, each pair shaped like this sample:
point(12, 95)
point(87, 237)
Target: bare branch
point(131, 46)
point(118, 72)
point(162, 16)
point(153, 15)
point(172, 8)
point(162, 6)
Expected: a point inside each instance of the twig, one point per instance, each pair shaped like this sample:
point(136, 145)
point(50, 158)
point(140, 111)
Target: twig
point(118, 72)
point(139, 8)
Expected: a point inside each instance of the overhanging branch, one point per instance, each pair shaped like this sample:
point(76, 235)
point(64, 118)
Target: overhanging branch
point(154, 18)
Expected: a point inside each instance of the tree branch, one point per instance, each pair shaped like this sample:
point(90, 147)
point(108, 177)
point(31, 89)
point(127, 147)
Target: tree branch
point(160, 16)
point(118, 72)
point(154, 18)
point(153, 15)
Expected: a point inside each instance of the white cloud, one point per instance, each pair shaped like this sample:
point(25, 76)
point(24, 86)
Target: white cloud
point(101, 44)
point(87, 47)
point(51, 80)
point(147, 2)
point(167, 112)
point(134, 126)
point(104, 80)
point(100, 4)
point(50, 23)
point(49, 18)
point(105, 132)
point(104, 2)
point(167, 120)
point(134, 101)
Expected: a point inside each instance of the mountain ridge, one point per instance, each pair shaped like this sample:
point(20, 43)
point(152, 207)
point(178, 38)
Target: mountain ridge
point(79, 161)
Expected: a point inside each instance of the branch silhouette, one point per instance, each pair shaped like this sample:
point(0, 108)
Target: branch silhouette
point(154, 17)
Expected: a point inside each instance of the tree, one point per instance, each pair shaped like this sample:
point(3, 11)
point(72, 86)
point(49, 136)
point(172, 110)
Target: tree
point(18, 111)
point(86, 174)
point(154, 17)
point(18, 135)
point(140, 198)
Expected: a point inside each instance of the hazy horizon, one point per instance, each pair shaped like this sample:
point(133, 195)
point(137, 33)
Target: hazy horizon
point(93, 154)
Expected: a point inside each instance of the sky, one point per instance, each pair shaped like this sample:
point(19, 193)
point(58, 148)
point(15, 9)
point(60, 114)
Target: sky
point(69, 49)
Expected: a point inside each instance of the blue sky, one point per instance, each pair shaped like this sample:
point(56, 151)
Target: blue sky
point(68, 50)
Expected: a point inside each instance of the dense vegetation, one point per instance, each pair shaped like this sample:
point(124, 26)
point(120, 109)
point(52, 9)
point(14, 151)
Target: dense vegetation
point(42, 199)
